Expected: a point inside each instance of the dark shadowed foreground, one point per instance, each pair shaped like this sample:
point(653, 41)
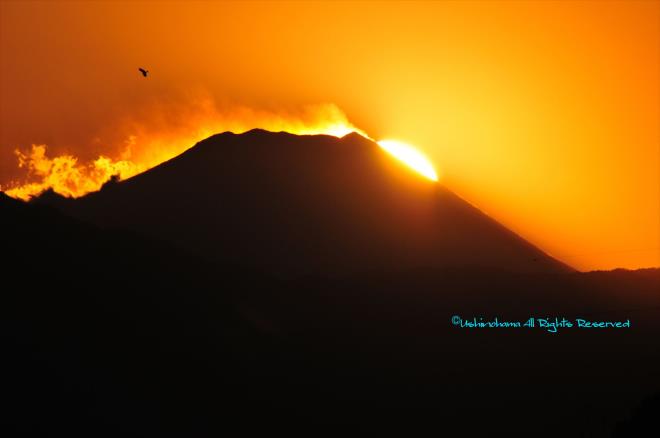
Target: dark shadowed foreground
point(109, 329)
point(108, 333)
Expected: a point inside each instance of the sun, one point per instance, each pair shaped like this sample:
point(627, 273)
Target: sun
point(410, 156)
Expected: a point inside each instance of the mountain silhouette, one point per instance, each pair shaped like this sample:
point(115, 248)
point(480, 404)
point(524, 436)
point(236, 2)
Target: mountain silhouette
point(305, 205)
point(142, 309)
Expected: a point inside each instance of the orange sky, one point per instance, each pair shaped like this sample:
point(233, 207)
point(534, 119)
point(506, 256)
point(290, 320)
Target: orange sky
point(544, 114)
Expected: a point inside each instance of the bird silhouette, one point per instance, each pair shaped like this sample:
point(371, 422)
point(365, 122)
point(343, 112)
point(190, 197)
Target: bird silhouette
point(143, 71)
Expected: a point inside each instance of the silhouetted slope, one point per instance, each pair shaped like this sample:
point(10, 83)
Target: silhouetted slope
point(306, 204)
point(107, 333)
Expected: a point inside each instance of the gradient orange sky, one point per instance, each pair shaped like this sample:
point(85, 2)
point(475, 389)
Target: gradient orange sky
point(545, 114)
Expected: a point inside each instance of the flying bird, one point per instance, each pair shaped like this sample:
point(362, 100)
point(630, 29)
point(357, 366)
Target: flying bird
point(144, 72)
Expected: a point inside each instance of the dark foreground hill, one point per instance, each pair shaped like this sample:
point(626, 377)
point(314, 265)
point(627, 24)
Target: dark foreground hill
point(305, 204)
point(109, 333)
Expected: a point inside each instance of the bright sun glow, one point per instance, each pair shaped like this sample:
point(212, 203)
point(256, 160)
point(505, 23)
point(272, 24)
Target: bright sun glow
point(410, 157)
